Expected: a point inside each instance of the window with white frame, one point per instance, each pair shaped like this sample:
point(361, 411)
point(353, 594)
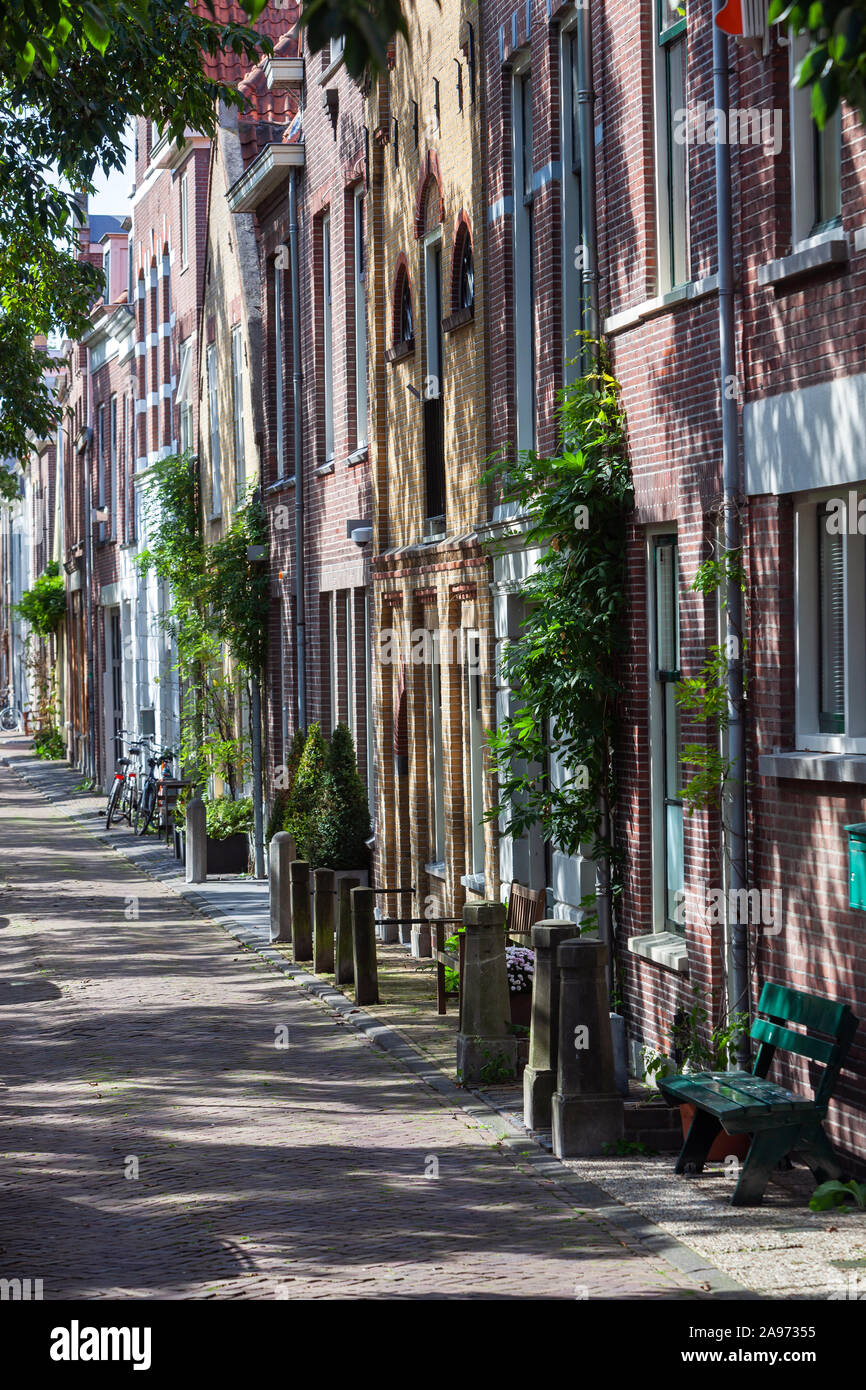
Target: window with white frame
point(100, 466)
point(184, 222)
point(816, 161)
point(348, 612)
point(524, 238)
point(184, 395)
point(574, 250)
point(106, 272)
point(337, 46)
point(213, 408)
point(666, 773)
point(112, 467)
point(831, 621)
point(238, 408)
point(327, 340)
point(279, 422)
point(476, 750)
point(671, 152)
point(435, 758)
point(360, 305)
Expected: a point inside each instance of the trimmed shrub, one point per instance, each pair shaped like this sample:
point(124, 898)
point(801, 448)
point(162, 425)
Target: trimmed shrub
point(342, 815)
point(300, 820)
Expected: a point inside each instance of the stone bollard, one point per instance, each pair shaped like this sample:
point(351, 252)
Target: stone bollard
point(282, 852)
point(364, 946)
point(196, 842)
point(344, 964)
point(323, 938)
point(302, 917)
point(539, 1078)
point(486, 1051)
point(587, 1111)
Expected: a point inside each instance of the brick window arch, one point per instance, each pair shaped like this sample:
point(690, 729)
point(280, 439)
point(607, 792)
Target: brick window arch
point(429, 204)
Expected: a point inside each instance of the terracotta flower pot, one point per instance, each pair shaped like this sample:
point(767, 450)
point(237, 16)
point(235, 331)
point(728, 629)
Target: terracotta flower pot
point(724, 1145)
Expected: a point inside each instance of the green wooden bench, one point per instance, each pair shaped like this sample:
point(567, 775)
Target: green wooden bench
point(779, 1121)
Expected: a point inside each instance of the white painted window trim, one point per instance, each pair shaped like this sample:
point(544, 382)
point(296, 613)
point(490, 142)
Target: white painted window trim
point(472, 658)
point(359, 212)
point(238, 407)
point(213, 408)
point(278, 371)
point(806, 664)
point(804, 214)
point(327, 337)
point(665, 273)
point(184, 221)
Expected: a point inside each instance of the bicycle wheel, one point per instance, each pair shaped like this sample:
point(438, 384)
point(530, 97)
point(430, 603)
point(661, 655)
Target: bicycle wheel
point(145, 810)
point(8, 719)
point(113, 802)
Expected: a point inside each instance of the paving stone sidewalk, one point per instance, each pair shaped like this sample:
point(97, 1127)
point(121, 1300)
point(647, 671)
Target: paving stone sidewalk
point(158, 1141)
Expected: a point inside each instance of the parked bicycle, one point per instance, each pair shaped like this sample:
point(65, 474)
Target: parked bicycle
point(10, 715)
point(150, 809)
point(124, 797)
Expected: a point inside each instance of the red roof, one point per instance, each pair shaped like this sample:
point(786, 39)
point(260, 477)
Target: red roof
point(274, 23)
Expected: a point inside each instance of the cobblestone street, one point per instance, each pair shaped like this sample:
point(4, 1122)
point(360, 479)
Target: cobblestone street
point(140, 1039)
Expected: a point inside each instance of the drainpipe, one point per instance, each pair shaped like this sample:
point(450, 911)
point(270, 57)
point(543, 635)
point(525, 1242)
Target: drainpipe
point(258, 806)
point(88, 594)
point(300, 576)
point(586, 140)
point(738, 983)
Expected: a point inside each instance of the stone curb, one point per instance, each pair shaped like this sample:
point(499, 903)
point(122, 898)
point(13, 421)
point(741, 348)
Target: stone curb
point(520, 1146)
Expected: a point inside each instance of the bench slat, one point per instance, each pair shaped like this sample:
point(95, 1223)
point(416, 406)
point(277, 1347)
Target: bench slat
point(729, 1095)
point(810, 1011)
point(776, 1036)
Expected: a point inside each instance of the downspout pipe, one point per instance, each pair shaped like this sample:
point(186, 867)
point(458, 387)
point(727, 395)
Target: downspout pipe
point(589, 237)
point(90, 639)
point(735, 810)
point(300, 567)
point(586, 141)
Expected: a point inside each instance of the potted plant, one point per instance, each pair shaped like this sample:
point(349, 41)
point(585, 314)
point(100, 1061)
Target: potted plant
point(695, 1050)
point(229, 824)
point(520, 966)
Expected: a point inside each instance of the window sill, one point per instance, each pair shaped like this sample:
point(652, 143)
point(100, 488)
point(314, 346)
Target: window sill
point(664, 948)
point(474, 882)
point(458, 319)
point(400, 351)
point(436, 870)
point(324, 469)
point(661, 304)
point(814, 767)
point(360, 455)
point(816, 254)
point(280, 484)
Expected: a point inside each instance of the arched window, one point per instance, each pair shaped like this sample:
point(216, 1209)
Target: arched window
point(465, 276)
point(407, 327)
point(462, 275)
point(404, 320)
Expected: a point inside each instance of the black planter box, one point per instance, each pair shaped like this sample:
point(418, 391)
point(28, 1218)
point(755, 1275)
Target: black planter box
point(231, 856)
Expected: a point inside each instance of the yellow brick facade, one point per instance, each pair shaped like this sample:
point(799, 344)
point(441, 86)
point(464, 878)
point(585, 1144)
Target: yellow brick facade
point(426, 192)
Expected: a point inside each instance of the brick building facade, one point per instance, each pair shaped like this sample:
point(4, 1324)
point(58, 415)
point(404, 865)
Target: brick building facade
point(315, 410)
point(429, 441)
